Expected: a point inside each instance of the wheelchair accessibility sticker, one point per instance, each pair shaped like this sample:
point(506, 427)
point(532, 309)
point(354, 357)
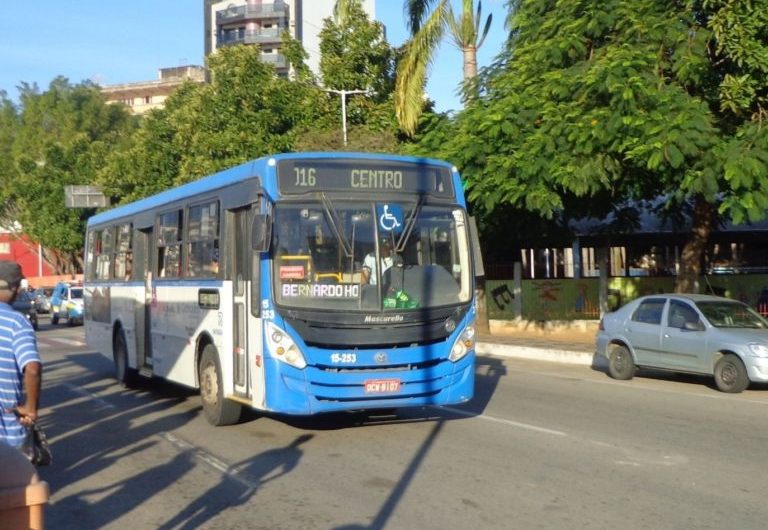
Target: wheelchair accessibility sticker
point(391, 217)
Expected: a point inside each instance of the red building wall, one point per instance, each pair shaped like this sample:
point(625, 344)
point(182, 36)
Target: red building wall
point(24, 252)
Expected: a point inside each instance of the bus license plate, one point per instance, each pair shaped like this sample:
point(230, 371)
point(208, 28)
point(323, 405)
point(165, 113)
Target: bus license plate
point(382, 386)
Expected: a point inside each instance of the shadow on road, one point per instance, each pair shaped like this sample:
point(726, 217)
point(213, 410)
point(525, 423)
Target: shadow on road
point(239, 485)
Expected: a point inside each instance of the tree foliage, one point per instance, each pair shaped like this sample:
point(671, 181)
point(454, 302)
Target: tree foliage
point(62, 138)
point(429, 22)
point(355, 56)
point(245, 112)
point(625, 100)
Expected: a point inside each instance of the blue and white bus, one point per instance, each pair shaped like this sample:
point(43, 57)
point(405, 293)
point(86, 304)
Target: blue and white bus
point(296, 283)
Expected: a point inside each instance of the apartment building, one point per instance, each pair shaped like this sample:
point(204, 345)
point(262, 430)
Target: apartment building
point(143, 96)
point(233, 22)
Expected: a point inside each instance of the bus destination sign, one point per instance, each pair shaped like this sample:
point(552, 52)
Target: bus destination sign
point(362, 175)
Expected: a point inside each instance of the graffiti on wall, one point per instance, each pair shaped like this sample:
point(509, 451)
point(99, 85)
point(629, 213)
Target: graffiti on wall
point(572, 299)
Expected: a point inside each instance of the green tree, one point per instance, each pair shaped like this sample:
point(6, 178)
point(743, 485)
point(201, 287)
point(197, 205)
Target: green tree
point(428, 28)
point(245, 112)
point(619, 100)
point(354, 53)
point(355, 56)
point(10, 123)
point(64, 136)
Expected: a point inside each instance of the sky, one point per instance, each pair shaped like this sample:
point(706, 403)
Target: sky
point(125, 42)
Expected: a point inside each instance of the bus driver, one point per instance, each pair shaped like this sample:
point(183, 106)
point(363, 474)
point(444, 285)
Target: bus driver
point(369, 262)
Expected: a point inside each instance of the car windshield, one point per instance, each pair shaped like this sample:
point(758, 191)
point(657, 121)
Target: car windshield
point(362, 256)
point(727, 314)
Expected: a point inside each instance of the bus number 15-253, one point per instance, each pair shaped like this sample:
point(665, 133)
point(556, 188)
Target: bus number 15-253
point(305, 176)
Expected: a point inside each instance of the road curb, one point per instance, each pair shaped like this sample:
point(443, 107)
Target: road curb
point(551, 354)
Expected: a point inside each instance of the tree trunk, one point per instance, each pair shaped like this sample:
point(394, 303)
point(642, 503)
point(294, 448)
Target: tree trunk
point(690, 261)
point(470, 62)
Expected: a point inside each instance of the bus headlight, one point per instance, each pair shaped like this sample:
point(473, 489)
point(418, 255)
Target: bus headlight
point(465, 343)
point(283, 348)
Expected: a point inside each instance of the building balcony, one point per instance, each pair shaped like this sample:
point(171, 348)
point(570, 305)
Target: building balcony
point(277, 60)
point(278, 10)
point(262, 36)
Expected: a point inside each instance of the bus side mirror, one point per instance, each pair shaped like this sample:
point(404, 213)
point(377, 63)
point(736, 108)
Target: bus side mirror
point(474, 242)
point(261, 232)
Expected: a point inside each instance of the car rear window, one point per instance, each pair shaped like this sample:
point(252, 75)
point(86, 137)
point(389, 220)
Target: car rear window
point(649, 311)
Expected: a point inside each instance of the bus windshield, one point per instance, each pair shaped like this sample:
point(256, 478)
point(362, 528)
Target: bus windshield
point(358, 255)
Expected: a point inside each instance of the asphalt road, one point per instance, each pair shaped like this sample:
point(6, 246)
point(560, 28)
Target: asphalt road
point(543, 445)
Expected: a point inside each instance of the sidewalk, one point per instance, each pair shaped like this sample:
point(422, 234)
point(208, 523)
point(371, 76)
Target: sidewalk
point(573, 348)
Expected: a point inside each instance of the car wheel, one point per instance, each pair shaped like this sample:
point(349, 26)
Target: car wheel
point(620, 363)
point(55, 318)
point(731, 375)
point(35, 323)
point(124, 374)
point(217, 409)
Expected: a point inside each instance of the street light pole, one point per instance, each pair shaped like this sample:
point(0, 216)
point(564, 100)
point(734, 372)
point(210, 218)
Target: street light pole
point(343, 94)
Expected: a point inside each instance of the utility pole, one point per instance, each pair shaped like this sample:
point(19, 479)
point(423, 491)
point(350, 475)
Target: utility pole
point(343, 94)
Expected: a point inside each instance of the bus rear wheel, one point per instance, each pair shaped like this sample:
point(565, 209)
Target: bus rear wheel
point(217, 409)
point(124, 374)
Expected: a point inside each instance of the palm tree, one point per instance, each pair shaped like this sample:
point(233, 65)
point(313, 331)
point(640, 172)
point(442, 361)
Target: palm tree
point(342, 10)
point(427, 30)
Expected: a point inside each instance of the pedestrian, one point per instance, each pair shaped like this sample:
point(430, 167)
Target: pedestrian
point(20, 365)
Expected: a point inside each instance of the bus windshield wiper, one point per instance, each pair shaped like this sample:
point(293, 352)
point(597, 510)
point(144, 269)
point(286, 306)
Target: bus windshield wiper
point(335, 223)
point(409, 224)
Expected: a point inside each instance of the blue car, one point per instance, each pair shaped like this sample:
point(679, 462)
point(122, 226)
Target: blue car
point(67, 303)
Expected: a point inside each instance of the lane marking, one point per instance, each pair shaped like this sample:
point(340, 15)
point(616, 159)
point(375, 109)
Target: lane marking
point(207, 458)
point(92, 397)
point(54, 341)
point(503, 421)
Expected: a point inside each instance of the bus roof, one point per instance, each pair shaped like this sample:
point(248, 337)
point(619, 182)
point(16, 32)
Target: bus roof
point(251, 169)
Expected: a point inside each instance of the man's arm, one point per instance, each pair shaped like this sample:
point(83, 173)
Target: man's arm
point(368, 263)
point(33, 376)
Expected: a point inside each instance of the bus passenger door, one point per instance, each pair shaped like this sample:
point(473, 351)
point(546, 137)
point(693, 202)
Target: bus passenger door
point(248, 376)
point(143, 265)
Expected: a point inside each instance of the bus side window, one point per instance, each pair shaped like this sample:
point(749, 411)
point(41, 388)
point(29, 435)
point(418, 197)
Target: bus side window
point(203, 240)
point(169, 245)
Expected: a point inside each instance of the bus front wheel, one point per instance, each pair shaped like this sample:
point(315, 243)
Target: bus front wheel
point(217, 409)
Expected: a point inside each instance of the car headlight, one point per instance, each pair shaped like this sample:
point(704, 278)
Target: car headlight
point(465, 343)
point(758, 349)
point(283, 348)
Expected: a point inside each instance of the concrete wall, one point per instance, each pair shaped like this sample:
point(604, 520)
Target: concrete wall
point(571, 299)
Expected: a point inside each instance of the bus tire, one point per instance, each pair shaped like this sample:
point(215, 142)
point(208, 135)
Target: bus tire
point(217, 409)
point(124, 374)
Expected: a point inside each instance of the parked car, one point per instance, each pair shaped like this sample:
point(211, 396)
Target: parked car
point(42, 297)
point(687, 333)
point(25, 304)
point(67, 303)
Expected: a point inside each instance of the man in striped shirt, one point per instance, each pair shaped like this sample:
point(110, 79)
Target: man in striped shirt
point(20, 365)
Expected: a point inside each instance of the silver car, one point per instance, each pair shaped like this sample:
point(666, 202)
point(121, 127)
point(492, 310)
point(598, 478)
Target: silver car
point(690, 333)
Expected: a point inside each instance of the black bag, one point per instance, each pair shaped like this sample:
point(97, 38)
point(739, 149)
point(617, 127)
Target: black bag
point(36, 448)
